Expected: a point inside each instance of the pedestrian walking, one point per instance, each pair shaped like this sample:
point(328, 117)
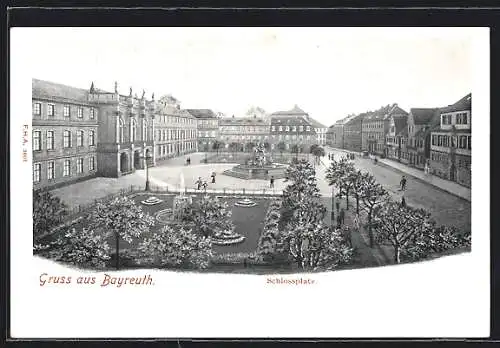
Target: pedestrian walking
point(403, 202)
point(213, 178)
point(339, 221)
point(198, 183)
point(271, 182)
point(403, 183)
point(342, 216)
point(337, 205)
point(205, 185)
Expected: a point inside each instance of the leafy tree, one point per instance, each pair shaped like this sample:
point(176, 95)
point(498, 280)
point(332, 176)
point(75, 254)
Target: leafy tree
point(208, 216)
point(400, 226)
point(48, 212)
point(372, 195)
point(436, 240)
point(314, 245)
point(338, 174)
point(176, 247)
point(356, 179)
point(295, 148)
point(234, 146)
point(270, 245)
point(217, 145)
point(120, 218)
point(318, 152)
point(281, 147)
point(82, 248)
point(267, 146)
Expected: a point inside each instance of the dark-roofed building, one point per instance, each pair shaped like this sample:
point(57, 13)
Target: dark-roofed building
point(65, 134)
point(243, 131)
point(208, 127)
point(293, 127)
point(353, 135)
point(335, 133)
point(376, 126)
point(320, 129)
point(450, 156)
point(420, 122)
point(396, 137)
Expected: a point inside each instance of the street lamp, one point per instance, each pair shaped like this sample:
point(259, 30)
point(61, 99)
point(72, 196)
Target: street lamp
point(333, 205)
point(146, 158)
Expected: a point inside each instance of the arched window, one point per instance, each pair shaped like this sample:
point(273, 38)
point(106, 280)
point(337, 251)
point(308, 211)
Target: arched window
point(133, 130)
point(144, 130)
point(121, 131)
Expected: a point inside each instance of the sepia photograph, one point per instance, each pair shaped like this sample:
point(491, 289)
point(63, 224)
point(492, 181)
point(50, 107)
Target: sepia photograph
point(287, 154)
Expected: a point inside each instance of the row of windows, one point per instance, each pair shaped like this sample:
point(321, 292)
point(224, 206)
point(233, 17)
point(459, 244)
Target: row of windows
point(176, 119)
point(133, 133)
point(373, 125)
point(207, 123)
point(37, 111)
point(463, 163)
point(67, 139)
point(175, 134)
point(169, 148)
point(244, 129)
point(206, 134)
point(464, 141)
point(376, 135)
point(439, 157)
point(37, 168)
point(291, 129)
point(460, 118)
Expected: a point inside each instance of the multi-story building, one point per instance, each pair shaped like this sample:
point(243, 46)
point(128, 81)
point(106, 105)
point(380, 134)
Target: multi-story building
point(294, 127)
point(243, 131)
point(335, 133)
point(176, 129)
point(376, 126)
point(451, 143)
point(330, 136)
point(80, 133)
point(320, 130)
point(420, 123)
point(396, 137)
point(352, 135)
point(208, 127)
point(65, 134)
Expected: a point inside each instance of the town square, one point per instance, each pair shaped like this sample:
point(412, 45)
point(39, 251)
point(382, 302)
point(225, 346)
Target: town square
point(253, 180)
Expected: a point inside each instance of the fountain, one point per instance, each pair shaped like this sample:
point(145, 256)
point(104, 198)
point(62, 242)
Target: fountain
point(245, 203)
point(151, 201)
point(180, 202)
point(259, 166)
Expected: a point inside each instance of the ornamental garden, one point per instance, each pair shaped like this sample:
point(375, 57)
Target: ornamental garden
point(292, 232)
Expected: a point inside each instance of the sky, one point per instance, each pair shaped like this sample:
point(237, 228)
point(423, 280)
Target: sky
point(328, 72)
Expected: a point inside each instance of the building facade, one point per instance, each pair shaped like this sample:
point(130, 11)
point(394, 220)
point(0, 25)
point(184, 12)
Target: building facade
point(208, 128)
point(376, 126)
point(396, 137)
point(450, 156)
point(352, 133)
point(176, 129)
point(243, 131)
point(65, 135)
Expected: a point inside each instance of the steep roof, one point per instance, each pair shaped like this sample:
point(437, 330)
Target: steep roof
point(463, 104)
point(355, 120)
point(384, 113)
point(51, 90)
point(423, 115)
point(400, 123)
point(244, 121)
point(403, 132)
point(315, 123)
point(202, 113)
point(295, 111)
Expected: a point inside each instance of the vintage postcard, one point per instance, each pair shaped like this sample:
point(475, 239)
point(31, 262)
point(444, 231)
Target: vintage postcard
point(251, 182)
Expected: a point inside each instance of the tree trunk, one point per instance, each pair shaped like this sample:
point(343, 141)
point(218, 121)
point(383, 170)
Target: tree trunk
point(357, 204)
point(347, 199)
point(117, 241)
point(370, 233)
point(397, 252)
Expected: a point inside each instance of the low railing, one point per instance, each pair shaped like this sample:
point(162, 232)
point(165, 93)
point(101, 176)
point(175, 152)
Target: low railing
point(224, 191)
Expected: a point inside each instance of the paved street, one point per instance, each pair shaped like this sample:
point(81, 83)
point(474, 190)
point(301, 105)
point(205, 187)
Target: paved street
point(445, 208)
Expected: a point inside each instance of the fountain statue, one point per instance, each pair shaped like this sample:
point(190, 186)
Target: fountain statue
point(181, 200)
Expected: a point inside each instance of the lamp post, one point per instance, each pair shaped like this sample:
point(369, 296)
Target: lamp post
point(333, 205)
point(146, 158)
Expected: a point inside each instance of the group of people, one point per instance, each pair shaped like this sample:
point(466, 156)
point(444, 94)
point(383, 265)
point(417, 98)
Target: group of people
point(202, 184)
point(349, 156)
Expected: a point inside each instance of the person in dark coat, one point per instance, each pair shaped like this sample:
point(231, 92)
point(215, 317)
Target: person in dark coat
point(271, 182)
point(337, 205)
point(205, 185)
point(342, 216)
point(213, 178)
point(403, 183)
point(198, 183)
point(403, 202)
point(339, 221)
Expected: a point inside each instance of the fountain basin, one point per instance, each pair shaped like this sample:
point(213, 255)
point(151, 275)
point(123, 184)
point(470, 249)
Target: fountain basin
point(245, 203)
point(265, 172)
point(151, 201)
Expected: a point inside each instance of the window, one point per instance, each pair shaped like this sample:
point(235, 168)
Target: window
point(67, 168)
point(66, 139)
point(79, 165)
point(50, 109)
point(91, 163)
point(50, 170)
point(294, 128)
point(121, 130)
point(37, 109)
point(462, 118)
point(301, 128)
point(434, 140)
point(134, 130)
point(91, 138)
point(308, 128)
point(37, 167)
point(453, 141)
point(79, 138)
point(50, 140)
point(468, 142)
point(287, 128)
point(37, 135)
point(66, 111)
point(80, 112)
point(92, 113)
point(281, 128)
point(273, 128)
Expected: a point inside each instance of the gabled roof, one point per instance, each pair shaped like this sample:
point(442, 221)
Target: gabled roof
point(403, 132)
point(315, 123)
point(424, 115)
point(400, 123)
point(202, 113)
point(295, 111)
point(243, 121)
point(355, 120)
point(463, 104)
point(51, 90)
point(384, 113)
